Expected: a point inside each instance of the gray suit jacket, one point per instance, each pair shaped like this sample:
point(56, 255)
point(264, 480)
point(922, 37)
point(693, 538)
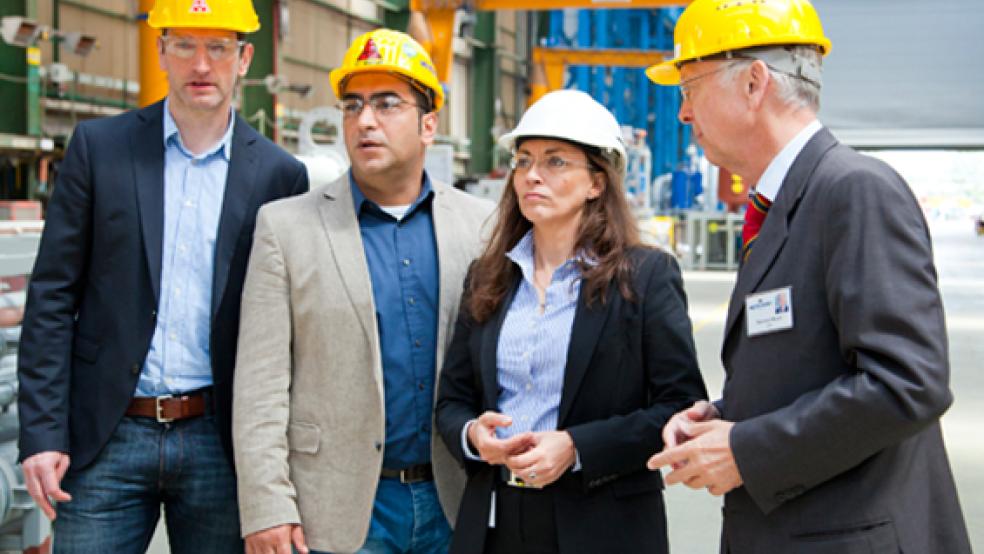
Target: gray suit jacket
point(838, 437)
point(308, 408)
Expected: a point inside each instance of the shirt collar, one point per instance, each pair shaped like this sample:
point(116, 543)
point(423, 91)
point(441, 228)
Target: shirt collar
point(522, 256)
point(775, 174)
point(172, 136)
point(359, 200)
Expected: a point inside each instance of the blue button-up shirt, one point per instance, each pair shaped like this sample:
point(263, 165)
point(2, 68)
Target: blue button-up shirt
point(402, 258)
point(532, 352)
point(194, 187)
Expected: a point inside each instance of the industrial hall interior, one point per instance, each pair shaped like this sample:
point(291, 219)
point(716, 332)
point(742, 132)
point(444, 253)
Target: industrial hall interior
point(801, 182)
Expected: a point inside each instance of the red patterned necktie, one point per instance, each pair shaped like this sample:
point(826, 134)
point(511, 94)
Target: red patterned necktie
point(758, 208)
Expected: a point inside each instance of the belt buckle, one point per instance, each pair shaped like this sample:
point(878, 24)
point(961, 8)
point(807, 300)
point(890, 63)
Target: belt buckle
point(159, 408)
point(404, 480)
point(516, 481)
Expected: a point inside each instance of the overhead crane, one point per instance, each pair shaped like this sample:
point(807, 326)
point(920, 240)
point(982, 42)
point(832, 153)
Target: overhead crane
point(438, 18)
point(549, 64)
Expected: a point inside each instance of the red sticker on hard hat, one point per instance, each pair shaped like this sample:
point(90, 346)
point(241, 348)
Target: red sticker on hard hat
point(200, 6)
point(369, 51)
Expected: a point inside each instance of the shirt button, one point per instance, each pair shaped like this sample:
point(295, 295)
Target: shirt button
point(420, 386)
point(529, 386)
point(153, 314)
point(417, 343)
point(411, 301)
point(174, 336)
point(406, 261)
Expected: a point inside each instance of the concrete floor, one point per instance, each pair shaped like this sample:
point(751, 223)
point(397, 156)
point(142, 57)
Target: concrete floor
point(695, 517)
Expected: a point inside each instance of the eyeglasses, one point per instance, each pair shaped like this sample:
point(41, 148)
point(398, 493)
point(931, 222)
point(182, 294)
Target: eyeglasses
point(218, 49)
point(684, 86)
point(551, 165)
point(383, 105)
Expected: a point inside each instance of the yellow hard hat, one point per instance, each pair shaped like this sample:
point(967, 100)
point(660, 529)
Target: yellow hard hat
point(709, 27)
point(389, 51)
point(232, 15)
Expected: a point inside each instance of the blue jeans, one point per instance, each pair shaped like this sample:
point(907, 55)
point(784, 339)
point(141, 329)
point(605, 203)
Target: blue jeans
point(406, 519)
point(116, 501)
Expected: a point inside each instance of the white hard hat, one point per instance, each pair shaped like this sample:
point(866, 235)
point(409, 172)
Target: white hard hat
point(574, 116)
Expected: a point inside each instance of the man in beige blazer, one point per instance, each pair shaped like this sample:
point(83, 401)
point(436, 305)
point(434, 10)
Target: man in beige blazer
point(350, 296)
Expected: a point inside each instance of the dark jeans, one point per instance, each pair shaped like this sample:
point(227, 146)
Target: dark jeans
point(116, 501)
point(406, 519)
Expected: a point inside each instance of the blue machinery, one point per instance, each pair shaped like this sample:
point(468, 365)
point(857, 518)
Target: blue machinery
point(632, 97)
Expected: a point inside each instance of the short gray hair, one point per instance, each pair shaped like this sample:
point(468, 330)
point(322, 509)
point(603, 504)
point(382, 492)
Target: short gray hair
point(791, 89)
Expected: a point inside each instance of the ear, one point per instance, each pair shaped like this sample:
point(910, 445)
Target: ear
point(428, 127)
point(756, 83)
point(245, 59)
point(598, 184)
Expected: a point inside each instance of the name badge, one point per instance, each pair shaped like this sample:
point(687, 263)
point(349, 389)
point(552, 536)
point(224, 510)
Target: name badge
point(769, 311)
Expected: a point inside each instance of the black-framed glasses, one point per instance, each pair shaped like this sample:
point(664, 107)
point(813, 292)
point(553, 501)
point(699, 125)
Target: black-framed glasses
point(383, 105)
point(218, 49)
point(551, 165)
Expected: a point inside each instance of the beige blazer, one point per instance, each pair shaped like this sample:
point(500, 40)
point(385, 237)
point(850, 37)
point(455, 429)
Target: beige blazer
point(308, 406)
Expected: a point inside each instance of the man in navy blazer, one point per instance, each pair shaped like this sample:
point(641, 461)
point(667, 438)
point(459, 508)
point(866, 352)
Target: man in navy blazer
point(129, 335)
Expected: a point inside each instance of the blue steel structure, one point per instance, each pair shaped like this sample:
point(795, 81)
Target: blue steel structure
point(627, 92)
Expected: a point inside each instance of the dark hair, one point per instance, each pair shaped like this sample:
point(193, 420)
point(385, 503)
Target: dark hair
point(606, 233)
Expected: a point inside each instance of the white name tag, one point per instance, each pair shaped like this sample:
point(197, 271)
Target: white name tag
point(769, 311)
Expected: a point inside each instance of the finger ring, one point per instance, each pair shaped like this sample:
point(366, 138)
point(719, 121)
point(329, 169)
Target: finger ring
point(532, 474)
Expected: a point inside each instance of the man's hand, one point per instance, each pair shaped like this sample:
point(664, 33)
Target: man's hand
point(552, 454)
point(43, 473)
point(495, 451)
point(277, 540)
point(704, 461)
point(678, 429)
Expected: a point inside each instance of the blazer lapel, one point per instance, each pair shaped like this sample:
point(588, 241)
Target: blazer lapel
point(342, 230)
point(775, 229)
point(488, 357)
point(588, 323)
point(447, 258)
point(147, 149)
point(240, 184)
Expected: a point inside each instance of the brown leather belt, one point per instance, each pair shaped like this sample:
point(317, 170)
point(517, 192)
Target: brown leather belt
point(168, 408)
point(412, 474)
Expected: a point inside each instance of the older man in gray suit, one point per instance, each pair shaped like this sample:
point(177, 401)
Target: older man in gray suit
point(827, 439)
point(350, 297)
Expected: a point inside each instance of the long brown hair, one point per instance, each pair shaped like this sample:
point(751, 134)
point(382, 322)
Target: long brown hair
point(606, 232)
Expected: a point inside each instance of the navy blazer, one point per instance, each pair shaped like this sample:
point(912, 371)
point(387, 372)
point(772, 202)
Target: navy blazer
point(630, 366)
point(92, 301)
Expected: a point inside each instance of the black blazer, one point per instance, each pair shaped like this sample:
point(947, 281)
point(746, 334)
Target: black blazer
point(630, 366)
point(837, 437)
point(92, 301)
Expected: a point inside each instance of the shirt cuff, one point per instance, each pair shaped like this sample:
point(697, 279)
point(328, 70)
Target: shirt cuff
point(577, 461)
point(465, 447)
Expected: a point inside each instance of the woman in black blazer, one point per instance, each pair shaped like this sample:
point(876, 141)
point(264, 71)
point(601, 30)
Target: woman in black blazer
point(572, 349)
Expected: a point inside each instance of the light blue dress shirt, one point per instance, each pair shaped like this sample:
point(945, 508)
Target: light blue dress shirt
point(531, 357)
point(194, 186)
point(532, 352)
